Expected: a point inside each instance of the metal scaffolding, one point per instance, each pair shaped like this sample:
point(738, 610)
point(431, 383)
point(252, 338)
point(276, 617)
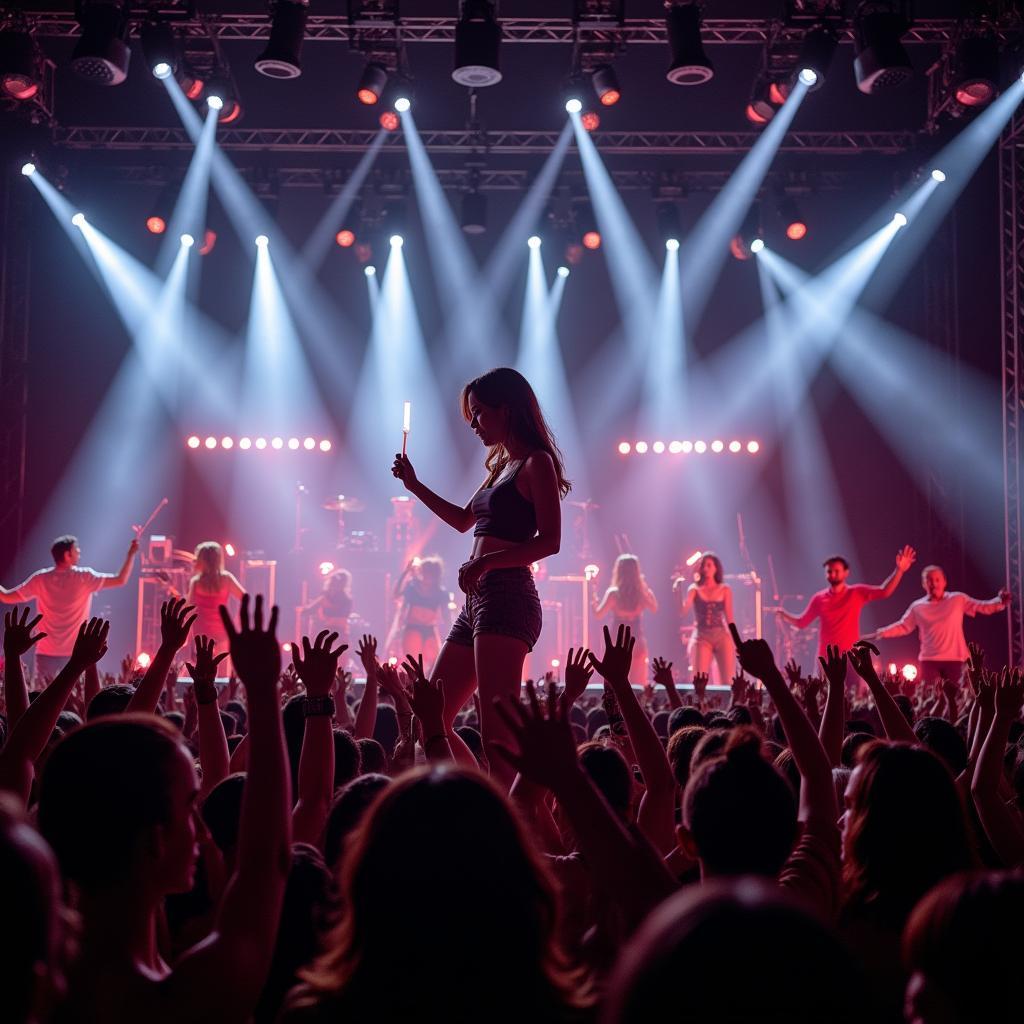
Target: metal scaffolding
point(1011, 213)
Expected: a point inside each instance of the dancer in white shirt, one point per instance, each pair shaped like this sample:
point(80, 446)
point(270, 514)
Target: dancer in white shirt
point(939, 619)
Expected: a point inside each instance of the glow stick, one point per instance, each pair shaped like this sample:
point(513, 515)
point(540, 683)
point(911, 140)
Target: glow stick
point(406, 422)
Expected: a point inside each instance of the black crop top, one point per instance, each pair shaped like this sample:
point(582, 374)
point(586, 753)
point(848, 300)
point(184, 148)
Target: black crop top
point(709, 614)
point(501, 511)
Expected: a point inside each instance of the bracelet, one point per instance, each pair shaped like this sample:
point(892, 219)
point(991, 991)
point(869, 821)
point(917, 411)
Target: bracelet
point(316, 706)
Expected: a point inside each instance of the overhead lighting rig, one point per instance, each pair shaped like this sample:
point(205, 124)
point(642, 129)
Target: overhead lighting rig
point(102, 54)
point(376, 34)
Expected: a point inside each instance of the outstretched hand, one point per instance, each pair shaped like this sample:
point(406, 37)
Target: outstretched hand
point(426, 699)
point(255, 652)
point(834, 666)
point(318, 663)
point(794, 672)
point(700, 684)
point(905, 558)
point(175, 623)
point(577, 673)
point(1010, 694)
point(860, 658)
point(618, 656)
point(18, 638)
point(204, 671)
point(367, 651)
point(90, 644)
point(541, 729)
point(663, 673)
point(755, 656)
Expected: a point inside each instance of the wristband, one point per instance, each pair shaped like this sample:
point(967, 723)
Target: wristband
point(212, 700)
point(314, 706)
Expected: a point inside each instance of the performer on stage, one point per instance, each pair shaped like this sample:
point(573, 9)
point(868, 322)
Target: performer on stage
point(939, 619)
point(839, 605)
point(424, 605)
point(516, 521)
point(210, 587)
point(627, 598)
point(333, 606)
point(711, 600)
point(63, 596)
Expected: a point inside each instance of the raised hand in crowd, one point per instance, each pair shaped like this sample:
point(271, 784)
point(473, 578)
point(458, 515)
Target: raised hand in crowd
point(18, 641)
point(739, 686)
point(897, 728)
point(832, 726)
point(794, 673)
point(176, 619)
point(578, 670)
point(427, 700)
point(700, 687)
point(214, 756)
point(663, 677)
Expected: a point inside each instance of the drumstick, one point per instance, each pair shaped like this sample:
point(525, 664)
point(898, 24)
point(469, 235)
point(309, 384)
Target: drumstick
point(406, 421)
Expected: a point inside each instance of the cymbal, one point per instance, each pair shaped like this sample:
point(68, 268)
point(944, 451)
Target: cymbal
point(587, 505)
point(343, 503)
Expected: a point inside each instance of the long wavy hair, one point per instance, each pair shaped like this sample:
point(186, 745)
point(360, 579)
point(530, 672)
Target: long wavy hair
point(506, 387)
point(719, 573)
point(906, 831)
point(209, 562)
point(442, 872)
point(628, 581)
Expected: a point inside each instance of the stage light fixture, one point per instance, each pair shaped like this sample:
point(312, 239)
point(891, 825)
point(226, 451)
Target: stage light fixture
point(211, 443)
point(293, 444)
point(372, 83)
point(261, 443)
point(78, 220)
point(473, 213)
point(625, 447)
point(402, 104)
point(590, 120)
point(346, 238)
point(277, 444)
point(672, 244)
point(215, 102)
point(760, 107)
point(700, 447)
point(909, 672)
point(325, 445)
point(287, 30)
point(222, 88)
point(245, 443)
point(640, 447)
point(187, 240)
point(229, 550)
point(939, 176)
point(227, 442)
point(262, 241)
point(477, 45)
point(396, 241)
point(586, 225)
point(816, 53)
point(389, 120)
point(21, 64)
point(778, 91)
point(193, 442)
point(658, 447)
point(573, 105)
point(690, 64)
point(756, 245)
point(159, 47)
point(976, 70)
point(563, 272)
point(666, 217)
point(143, 660)
point(675, 447)
point(308, 443)
point(574, 91)
point(753, 447)
point(606, 85)
point(369, 271)
point(101, 54)
point(28, 169)
point(687, 447)
point(899, 219)
point(742, 244)
point(796, 226)
point(717, 447)
point(533, 241)
point(881, 62)
point(735, 446)
point(209, 241)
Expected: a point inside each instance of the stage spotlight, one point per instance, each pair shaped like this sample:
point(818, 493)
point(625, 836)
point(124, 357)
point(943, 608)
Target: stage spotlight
point(658, 447)
point(796, 226)
point(402, 104)
point(369, 271)
point(880, 61)
point(591, 571)
point(101, 54)
point(909, 672)
point(533, 241)
point(193, 442)
point(778, 91)
point(287, 30)
point(159, 47)
point(976, 70)
point(591, 240)
point(573, 105)
point(325, 445)
point(222, 88)
point(227, 442)
point(277, 444)
point(756, 245)
point(899, 219)
point(191, 81)
point(640, 447)
point(586, 225)
point(735, 446)
point(761, 107)
point(473, 216)
point(261, 443)
point(606, 85)
point(591, 121)
point(753, 447)
point(144, 660)
point(21, 65)
point(563, 272)
point(672, 244)
point(717, 447)
point(625, 447)
point(396, 241)
point(741, 244)
point(293, 444)
point(690, 64)
point(477, 45)
point(78, 220)
point(345, 238)
point(308, 443)
point(670, 229)
point(28, 169)
point(229, 550)
point(372, 83)
point(700, 447)
point(215, 102)
point(211, 443)
point(687, 447)
point(675, 447)
point(816, 53)
point(939, 176)
point(389, 120)
point(209, 241)
point(262, 241)
point(245, 443)
point(187, 240)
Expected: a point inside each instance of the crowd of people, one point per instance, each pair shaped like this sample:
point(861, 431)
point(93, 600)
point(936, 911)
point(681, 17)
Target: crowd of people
point(448, 844)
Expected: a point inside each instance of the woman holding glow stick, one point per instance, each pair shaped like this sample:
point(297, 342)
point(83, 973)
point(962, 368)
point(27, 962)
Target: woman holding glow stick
point(516, 521)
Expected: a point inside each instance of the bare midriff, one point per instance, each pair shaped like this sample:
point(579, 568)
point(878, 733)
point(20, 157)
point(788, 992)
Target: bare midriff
point(488, 545)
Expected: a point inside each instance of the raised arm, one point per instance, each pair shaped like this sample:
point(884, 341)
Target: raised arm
point(457, 517)
point(905, 626)
point(817, 791)
point(603, 606)
point(833, 722)
point(18, 640)
point(36, 725)
point(316, 667)
point(214, 756)
point(1003, 828)
point(427, 700)
point(905, 558)
point(663, 677)
point(225, 974)
point(175, 622)
point(121, 578)
point(897, 728)
point(688, 594)
point(656, 816)
point(366, 716)
point(973, 606)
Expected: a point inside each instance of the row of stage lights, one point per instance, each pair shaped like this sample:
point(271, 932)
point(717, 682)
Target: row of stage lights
point(687, 447)
point(227, 443)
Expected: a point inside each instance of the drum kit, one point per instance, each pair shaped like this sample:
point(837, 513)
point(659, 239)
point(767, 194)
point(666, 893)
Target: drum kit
point(342, 504)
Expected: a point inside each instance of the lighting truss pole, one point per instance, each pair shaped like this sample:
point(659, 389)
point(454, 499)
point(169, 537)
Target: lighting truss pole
point(1011, 213)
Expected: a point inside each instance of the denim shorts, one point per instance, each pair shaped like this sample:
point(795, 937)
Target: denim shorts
point(505, 603)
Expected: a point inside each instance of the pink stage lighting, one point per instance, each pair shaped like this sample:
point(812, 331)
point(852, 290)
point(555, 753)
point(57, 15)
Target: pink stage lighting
point(694, 558)
point(753, 447)
point(229, 550)
point(227, 442)
point(211, 443)
point(658, 447)
point(717, 446)
point(326, 568)
point(277, 444)
point(193, 442)
point(261, 443)
point(675, 447)
point(700, 447)
point(735, 446)
point(687, 447)
point(909, 673)
point(325, 445)
point(293, 444)
point(143, 660)
point(625, 447)
point(245, 443)
point(309, 444)
point(286, 647)
point(640, 447)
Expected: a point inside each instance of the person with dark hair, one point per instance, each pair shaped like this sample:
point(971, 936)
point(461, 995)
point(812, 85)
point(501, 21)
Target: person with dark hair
point(681, 745)
point(516, 521)
point(347, 811)
point(799, 971)
point(346, 758)
point(839, 605)
point(939, 619)
point(63, 596)
point(944, 740)
point(627, 598)
point(423, 607)
point(117, 804)
point(710, 597)
point(432, 833)
point(962, 948)
point(372, 757)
